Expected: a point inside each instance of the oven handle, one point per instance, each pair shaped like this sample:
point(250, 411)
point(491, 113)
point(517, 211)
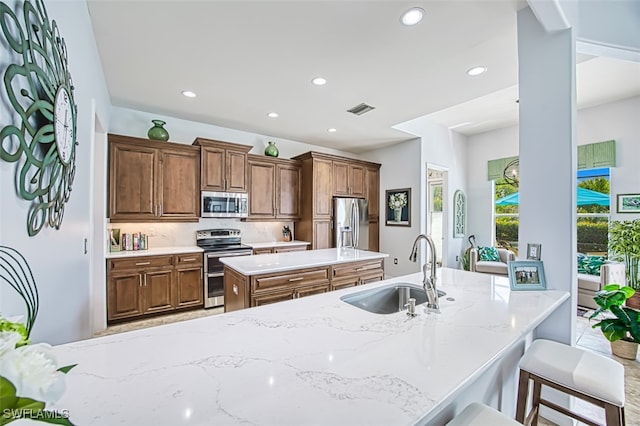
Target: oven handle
point(226, 254)
point(215, 275)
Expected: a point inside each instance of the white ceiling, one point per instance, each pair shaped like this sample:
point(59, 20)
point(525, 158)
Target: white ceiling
point(247, 58)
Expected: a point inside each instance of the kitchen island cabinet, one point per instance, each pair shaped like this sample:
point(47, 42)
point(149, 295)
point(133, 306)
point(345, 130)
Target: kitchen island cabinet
point(327, 359)
point(277, 246)
point(273, 278)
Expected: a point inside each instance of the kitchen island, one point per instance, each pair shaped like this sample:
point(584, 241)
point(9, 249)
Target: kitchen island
point(314, 360)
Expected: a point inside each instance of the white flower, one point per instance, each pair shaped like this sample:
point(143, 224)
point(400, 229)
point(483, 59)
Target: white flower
point(8, 341)
point(32, 369)
point(397, 201)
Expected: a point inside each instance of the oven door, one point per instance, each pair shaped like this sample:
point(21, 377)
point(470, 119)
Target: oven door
point(214, 276)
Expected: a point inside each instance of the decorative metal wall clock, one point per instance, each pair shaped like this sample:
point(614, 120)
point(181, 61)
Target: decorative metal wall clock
point(42, 142)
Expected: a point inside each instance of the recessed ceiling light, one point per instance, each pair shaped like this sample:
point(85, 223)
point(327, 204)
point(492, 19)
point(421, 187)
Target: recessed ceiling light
point(412, 16)
point(319, 81)
point(188, 94)
point(476, 71)
point(272, 115)
point(332, 130)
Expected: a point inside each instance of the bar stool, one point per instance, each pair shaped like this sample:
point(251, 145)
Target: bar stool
point(576, 372)
point(476, 414)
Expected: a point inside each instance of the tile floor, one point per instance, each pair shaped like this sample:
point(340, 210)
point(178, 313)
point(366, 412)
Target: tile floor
point(587, 338)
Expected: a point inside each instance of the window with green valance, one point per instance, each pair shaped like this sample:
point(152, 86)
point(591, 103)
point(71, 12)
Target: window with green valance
point(590, 156)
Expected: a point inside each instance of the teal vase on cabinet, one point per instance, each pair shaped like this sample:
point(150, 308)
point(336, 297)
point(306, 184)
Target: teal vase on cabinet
point(271, 150)
point(158, 132)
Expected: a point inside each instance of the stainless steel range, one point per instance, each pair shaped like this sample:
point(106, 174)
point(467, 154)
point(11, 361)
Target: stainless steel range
point(218, 243)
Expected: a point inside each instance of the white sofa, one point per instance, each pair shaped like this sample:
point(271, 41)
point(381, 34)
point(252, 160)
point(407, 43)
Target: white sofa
point(588, 285)
point(487, 267)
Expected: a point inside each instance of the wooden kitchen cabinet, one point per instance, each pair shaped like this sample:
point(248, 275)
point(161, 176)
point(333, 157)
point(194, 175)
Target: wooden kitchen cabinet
point(266, 250)
point(223, 165)
point(280, 249)
point(144, 285)
point(189, 284)
point(236, 290)
point(348, 179)
point(152, 181)
point(323, 177)
point(276, 287)
point(356, 273)
point(274, 188)
point(373, 192)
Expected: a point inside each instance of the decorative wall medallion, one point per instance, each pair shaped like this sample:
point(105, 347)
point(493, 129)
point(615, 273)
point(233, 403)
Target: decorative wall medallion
point(39, 89)
point(459, 214)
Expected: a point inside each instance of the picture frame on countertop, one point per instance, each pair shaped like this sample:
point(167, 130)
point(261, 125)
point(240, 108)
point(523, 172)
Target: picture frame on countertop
point(534, 251)
point(526, 275)
point(628, 203)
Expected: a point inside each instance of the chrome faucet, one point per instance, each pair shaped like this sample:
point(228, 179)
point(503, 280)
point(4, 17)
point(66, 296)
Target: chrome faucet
point(428, 282)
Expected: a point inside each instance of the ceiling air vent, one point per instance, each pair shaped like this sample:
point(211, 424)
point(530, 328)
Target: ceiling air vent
point(360, 109)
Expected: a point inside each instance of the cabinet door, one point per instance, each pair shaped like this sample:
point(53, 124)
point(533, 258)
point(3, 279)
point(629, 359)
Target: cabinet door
point(339, 284)
point(311, 290)
point(189, 286)
point(288, 186)
point(179, 184)
point(236, 291)
point(262, 190)
point(322, 188)
point(322, 236)
point(132, 173)
point(372, 278)
point(373, 193)
point(374, 236)
point(157, 289)
point(357, 181)
point(275, 297)
point(340, 178)
point(123, 295)
point(213, 166)
point(236, 179)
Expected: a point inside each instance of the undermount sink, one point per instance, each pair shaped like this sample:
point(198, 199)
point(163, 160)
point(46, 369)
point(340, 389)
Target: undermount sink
point(388, 299)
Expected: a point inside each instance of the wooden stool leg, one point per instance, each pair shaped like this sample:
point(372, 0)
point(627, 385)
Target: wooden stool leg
point(523, 391)
point(614, 415)
point(535, 406)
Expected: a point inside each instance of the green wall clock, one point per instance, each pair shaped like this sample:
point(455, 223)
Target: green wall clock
point(42, 140)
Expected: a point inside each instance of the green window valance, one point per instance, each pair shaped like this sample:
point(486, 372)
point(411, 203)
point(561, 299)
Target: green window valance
point(590, 156)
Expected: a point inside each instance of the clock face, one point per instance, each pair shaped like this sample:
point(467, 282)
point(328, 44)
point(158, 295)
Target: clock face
point(63, 124)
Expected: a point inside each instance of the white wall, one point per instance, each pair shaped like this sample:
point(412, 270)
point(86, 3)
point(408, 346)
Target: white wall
point(616, 120)
point(56, 257)
point(400, 169)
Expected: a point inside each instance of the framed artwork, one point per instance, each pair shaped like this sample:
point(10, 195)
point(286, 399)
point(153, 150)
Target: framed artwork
point(398, 202)
point(526, 275)
point(533, 251)
point(459, 214)
point(628, 203)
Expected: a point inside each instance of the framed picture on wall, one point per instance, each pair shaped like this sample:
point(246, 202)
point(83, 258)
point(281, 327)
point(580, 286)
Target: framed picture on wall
point(628, 203)
point(398, 202)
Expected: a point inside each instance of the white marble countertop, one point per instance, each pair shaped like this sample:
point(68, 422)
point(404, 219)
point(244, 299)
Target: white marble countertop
point(280, 262)
point(155, 251)
point(276, 244)
point(309, 361)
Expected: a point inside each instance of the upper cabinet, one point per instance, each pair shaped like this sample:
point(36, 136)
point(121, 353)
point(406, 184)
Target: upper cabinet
point(223, 165)
point(152, 181)
point(274, 187)
point(373, 192)
point(348, 179)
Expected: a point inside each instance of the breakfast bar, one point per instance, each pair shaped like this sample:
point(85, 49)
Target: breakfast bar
point(314, 360)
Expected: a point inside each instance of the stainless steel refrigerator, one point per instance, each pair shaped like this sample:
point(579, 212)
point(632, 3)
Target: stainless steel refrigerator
point(351, 222)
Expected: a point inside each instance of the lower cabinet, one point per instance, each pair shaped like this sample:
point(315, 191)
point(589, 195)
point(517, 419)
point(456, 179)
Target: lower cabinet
point(280, 249)
point(242, 291)
point(145, 285)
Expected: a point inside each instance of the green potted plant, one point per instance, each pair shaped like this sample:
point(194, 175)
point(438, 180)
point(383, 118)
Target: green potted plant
point(622, 328)
point(624, 244)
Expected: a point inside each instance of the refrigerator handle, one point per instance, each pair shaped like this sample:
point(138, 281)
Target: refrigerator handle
point(355, 224)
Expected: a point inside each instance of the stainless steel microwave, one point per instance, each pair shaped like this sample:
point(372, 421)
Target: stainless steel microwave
point(224, 204)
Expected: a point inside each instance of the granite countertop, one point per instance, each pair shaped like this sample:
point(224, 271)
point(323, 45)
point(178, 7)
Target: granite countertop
point(314, 360)
point(154, 251)
point(277, 244)
point(280, 262)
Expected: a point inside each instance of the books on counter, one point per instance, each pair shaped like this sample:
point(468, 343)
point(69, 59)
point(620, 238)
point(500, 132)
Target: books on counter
point(127, 241)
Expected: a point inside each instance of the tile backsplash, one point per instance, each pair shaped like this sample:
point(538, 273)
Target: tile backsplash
point(162, 234)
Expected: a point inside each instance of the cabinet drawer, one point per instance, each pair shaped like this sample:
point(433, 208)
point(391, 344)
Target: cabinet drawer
point(356, 268)
point(262, 250)
point(189, 258)
point(290, 279)
point(284, 249)
point(138, 263)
